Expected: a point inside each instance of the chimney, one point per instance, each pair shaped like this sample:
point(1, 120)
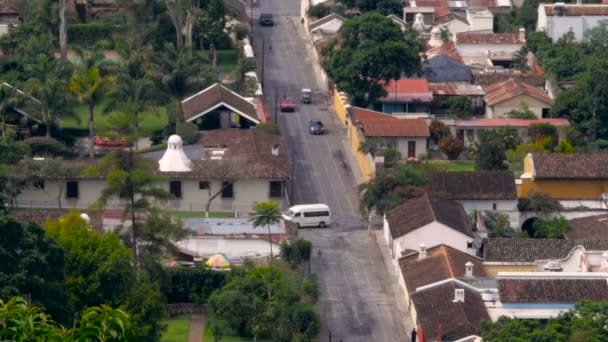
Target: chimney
point(422, 252)
point(275, 149)
point(458, 296)
point(522, 35)
point(468, 269)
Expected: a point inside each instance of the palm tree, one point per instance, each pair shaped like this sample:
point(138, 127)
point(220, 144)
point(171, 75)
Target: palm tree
point(9, 98)
point(266, 214)
point(51, 99)
point(90, 87)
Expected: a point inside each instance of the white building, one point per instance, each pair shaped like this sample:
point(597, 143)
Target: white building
point(489, 49)
point(478, 20)
point(326, 27)
point(559, 19)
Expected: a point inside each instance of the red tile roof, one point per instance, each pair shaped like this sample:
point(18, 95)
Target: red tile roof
point(481, 3)
point(447, 49)
point(570, 165)
point(451, 89)
point(507, 90)
point(375, 124)
point(551, 291)
point(442, 262)
point(589, 228)
point(579, 10)
point(407, 90)
point(488, 38)
point(492, 123)
point(441, 7)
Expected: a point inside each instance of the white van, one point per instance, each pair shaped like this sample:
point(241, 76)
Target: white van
point(309, 215)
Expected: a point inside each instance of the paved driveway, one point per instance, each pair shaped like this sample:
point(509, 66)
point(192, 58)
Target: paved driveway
point(360, 301)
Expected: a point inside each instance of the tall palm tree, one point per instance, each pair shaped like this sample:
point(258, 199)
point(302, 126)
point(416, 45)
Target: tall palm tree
point(266, 214)
point(90, 87)
point(51, 99)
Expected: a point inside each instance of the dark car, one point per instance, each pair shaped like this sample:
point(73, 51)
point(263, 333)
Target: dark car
point(266, 19)
point(316, 127)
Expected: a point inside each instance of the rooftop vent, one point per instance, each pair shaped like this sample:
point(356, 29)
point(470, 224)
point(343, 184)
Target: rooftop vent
point(553, 266)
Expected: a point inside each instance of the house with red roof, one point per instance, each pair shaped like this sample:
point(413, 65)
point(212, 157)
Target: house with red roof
point(559, 19)
point(408, 136)
point(406, 96)
point(489, 49)
point(503, 97)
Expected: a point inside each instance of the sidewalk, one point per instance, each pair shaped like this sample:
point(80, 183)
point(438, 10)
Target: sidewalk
point(197, 327)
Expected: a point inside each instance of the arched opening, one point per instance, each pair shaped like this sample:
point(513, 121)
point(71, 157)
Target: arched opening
point(528, 226)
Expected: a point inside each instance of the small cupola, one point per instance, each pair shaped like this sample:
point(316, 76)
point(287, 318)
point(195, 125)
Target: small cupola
point(174, 159)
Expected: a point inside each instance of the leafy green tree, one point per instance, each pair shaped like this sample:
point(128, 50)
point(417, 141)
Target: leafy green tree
point(490, 152)
point(296, 252)
point(460, 106)
point(565, 147)
point(12, 150)
point(438, 130)
point(146, 306)
point(550, 228)
point(192, 284)
point(266, 214)
point(497, 224)
point(383, 6)
point(90, 87)
point(32, 264)
point(539, 202)
point(451, 146)
point(373, 51)
point(9, 98)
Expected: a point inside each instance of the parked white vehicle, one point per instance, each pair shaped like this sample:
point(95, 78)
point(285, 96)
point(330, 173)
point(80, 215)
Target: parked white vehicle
point(309, 215)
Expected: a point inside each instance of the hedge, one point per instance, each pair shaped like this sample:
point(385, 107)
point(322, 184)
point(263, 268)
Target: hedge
point(89, 34)
point(192, 285)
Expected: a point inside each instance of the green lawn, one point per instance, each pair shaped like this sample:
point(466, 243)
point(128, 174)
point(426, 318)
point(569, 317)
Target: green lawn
point(149, 121)
point(178, 329)
point(455, 166)
point(200, 214)
point(226, 60)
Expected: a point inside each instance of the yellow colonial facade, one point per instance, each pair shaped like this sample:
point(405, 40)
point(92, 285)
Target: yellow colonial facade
point(493, 269)
point(560, 188)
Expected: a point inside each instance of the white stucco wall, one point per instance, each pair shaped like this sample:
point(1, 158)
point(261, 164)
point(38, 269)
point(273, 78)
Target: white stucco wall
point(477, 50)
point(556, 26)
point(431, 235)
point(456, 26)
point(508, 207)
point(481, 23)
point(402, 146)
point(500, 110)
point(245, 193)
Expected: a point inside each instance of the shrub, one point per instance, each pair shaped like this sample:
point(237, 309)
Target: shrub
point(438, 130)
point(522, 113)
point(46, 147)
point(246, 65)
point(497, 224)
point(565, 147)
point(541, 131)
point(539, 202)
point(451, 146)
point(87, 34)
point(461, 106)
point(319, 11)
point(241, 31)
point(188, 132)
point(187, 285)
point(296, 252)
point(550, 228)
point(391, 155)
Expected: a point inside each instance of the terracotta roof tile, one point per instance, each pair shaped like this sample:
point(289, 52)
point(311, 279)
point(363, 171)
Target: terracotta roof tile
point(532, 250)
point(407, 90)
point(579, 10)
point(551, 291)
point(488, 38)
point(9, 7)
point(482, 3)
point(320, 22)
point(447, 49)
point(478, 185)
point(570, 165)
point(375, 124)
point(507, 90)
point(441, 7)
point(442, 262)
point(215, 96)
point(420, 211)
point(435, 307)
point(456, 89)
point(588, 228)
point(494, 123)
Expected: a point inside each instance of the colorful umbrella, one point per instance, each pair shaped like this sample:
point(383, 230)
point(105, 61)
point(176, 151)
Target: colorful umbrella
point(218, 261)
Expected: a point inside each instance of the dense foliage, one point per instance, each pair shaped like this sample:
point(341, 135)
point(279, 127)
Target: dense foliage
point(490, 152)
point(451, 146)
point(192, 284)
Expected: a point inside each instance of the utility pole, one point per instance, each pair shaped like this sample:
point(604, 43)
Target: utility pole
point(251, 19)
point(276, 103)
point(263, 53)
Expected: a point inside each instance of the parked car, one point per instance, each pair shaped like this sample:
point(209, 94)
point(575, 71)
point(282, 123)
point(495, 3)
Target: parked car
point(306, 95)
point(266, 19)
point(316, 127)
point(287, 104)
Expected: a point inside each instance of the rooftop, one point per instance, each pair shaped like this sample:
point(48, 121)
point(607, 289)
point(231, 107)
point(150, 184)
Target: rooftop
point(588, 228)
point(446, 49)
point(456, 89)
point(420, 211)
point(9, 7)
point(435, 308)
point(570, 165)
point(518, 123)
point(376, 124)
point(408, 90)
point(504, 91)
point(551, 291)
point(211, 226)
point(572, 10)
point(488, 38)
point(317, 24)
point(443, 68)
point(217, 96)
point(478, 185)
point(442, 262)
point(533, 250)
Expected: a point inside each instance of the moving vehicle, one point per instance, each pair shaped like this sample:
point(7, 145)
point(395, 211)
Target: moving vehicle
point(306, 95)
point(309, 215)
point(287, 104)
point(315, 127)
point(266, 19)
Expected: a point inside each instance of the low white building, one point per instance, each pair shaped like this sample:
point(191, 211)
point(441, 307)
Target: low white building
point(479, 20)
point(489, 49)
point(559, 19)
point(327, 26)
point(430, 221)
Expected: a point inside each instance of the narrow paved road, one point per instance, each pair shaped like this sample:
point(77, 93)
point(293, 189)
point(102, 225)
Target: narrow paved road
point(359, 297)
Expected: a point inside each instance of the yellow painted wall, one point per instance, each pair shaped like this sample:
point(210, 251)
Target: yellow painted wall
point(354, 136)
point(492, 270)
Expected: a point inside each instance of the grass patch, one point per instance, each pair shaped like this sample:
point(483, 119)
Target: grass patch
point(150, 121)
point(227, 60)
point(455, 166)
point(152, 148)
point(178, 329)
point(200, 214)
point(229, 336)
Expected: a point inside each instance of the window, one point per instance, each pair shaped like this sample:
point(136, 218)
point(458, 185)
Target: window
point(175, 188)
point(38, 184)
point(493, 206)
point(546, 113)
point(470, 133)
point(227, 190)
point(460, 134)
point(203, 185)
point(71, 189)
point(469, 244)
point(276, 189)
point(316, 214)
point(391, 144)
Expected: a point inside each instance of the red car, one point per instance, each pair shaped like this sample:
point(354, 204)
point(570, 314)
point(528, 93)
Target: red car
point(287, 104)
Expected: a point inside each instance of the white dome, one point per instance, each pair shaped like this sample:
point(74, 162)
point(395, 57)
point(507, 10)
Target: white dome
point(436, 30)
point(175, 139)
